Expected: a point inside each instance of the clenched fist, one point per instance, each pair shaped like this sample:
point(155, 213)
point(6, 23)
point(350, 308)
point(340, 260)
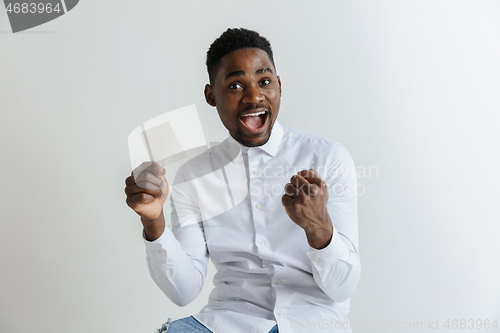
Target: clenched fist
point(146, 190)
point(305, 201)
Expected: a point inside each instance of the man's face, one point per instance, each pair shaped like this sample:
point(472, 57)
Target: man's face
point(246, 92)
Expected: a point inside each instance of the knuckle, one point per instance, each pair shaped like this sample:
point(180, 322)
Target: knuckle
point(131, 203)
point(146, 185)
point(287, 191)
point(307, 191)
point(130, 181)
point(147, 177)
point(301, 196)
point(138, 177)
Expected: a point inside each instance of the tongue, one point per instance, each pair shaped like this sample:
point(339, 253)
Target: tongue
point(252, 122)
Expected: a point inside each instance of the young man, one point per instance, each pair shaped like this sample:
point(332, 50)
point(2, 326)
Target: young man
point(283, 237)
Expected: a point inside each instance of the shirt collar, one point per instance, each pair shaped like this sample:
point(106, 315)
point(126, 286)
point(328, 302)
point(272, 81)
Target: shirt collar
point(271, 146)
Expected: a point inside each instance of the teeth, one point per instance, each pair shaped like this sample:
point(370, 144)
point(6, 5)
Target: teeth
point(254, 114)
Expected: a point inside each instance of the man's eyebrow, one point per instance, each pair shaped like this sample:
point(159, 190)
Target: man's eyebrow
point(241, 73)
point(263, 70)
point(235, 73)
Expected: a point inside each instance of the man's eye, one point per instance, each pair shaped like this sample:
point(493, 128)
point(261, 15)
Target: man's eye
point(266, 82)
point(234, 86)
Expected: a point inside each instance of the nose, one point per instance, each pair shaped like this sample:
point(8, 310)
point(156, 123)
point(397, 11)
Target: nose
point(253, 95)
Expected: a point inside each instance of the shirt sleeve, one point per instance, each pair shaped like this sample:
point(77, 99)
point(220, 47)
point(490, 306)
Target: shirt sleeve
point(336, 268)
point(177, 260)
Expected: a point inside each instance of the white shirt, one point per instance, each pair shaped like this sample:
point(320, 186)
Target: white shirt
point(226, 205)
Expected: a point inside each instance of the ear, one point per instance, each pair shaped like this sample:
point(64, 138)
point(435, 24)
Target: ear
point(279, 85)
point(209, 95)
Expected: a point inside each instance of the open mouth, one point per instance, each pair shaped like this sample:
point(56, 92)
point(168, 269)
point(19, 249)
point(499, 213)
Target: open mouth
point(255, 121)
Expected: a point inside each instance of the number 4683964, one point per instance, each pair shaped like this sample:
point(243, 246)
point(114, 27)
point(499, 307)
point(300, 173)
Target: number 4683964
point(470, 324)
point(32, 8)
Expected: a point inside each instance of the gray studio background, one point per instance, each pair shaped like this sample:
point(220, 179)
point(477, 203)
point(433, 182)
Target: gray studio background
point(411, 88)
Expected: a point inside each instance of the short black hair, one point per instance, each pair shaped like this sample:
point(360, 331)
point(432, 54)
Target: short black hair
point(232, 40)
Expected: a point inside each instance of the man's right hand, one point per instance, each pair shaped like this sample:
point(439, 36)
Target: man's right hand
point(146, 190)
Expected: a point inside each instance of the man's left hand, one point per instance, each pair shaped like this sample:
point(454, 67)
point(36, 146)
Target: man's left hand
point(305, 201)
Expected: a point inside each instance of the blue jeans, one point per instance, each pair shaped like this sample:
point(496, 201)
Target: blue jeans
point(191, 325)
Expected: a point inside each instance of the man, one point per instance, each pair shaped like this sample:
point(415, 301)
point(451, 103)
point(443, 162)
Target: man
point(286, 260)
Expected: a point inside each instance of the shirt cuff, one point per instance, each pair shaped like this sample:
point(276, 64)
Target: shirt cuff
point(336, 250)
point(160, 249)
point(158, 240)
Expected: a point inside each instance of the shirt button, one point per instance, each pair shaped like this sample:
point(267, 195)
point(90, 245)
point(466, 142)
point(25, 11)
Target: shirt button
point(316, 259)
point(255, 172)
point(251, 148)
point(281, 314)
point(268, 264)
point(278, 281)
point(257, 205)
point(166, 278)
point(327, 281)
point(161, 251)
point(262, 243)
